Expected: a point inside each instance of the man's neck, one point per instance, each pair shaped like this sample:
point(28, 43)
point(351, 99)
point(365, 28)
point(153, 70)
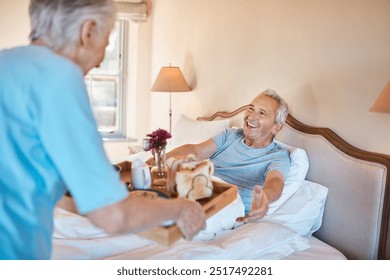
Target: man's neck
point(257, 144)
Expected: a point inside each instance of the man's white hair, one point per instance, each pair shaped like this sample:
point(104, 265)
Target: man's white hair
point(282, 112)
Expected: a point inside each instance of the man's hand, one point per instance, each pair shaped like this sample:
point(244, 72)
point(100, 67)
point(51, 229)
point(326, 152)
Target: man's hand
point(191, 219)
point(259, 208)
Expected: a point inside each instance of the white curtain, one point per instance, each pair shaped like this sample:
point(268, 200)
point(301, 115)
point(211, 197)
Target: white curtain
point(134, 10)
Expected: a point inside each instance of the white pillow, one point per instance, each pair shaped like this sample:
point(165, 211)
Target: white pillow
point(263, 241)
point(298, 169)
point(304, 210)
point(190, 131)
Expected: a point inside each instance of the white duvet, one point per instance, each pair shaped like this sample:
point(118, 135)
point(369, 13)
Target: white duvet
point(75, 237)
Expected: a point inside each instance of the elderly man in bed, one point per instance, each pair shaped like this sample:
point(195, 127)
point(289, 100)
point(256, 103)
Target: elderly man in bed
point(248, 157)
point(49, 141)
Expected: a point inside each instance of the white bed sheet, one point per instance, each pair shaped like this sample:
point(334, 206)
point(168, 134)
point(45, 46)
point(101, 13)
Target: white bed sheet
point(241, 243)
point(250, 241)
point(318, 250)
point(75, 237)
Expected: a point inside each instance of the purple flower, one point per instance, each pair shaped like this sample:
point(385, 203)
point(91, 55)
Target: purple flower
point(158, 138)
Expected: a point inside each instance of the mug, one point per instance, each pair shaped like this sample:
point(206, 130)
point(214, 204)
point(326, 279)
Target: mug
point(140, 177)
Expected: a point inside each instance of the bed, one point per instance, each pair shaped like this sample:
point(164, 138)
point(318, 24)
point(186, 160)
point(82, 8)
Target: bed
point(335, 206)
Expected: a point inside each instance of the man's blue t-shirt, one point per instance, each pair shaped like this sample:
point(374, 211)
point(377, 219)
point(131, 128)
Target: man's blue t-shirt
point(244, 166)
point(49, 144)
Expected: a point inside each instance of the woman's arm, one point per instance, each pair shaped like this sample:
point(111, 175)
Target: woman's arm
point(135, 214)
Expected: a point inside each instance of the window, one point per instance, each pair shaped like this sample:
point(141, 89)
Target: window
point(106, 86)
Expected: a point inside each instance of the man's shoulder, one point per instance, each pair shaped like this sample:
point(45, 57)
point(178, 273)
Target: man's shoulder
point(283, 151)
point(237, 132)
point(229, 133)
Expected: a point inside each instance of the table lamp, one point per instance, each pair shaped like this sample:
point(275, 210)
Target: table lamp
point(170, 79)
point(382, 104)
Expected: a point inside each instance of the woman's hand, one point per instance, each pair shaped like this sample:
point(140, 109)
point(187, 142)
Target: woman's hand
point(191, 219)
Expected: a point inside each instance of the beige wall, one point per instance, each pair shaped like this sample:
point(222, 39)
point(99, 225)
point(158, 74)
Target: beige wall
point(329, 59)
point(14, 23)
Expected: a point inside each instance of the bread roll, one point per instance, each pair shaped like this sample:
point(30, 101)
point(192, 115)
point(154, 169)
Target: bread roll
point(193, 180)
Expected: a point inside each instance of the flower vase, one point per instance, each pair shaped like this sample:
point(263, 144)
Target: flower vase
point(160, 170)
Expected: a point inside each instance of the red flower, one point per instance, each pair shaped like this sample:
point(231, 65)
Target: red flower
point(158, 138)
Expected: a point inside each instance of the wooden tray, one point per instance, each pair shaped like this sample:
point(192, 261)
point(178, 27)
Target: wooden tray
point(125, 171)
point(223, 194)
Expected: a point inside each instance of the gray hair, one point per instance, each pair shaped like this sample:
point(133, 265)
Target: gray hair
point(58, 22)
point(282, 112)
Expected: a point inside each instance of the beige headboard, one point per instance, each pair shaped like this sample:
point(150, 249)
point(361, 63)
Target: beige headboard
point(356, 217)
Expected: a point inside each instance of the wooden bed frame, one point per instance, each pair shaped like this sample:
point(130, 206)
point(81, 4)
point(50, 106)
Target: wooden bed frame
point(357, 211)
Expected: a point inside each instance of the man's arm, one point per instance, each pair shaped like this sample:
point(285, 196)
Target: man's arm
point(201, 151)
point(273, 185)
point(262, 197)
point(135, 214)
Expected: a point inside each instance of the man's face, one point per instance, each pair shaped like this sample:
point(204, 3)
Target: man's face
point(259, 120)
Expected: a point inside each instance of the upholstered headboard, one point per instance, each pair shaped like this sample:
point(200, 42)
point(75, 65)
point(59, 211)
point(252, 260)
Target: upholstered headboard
point(356, 217)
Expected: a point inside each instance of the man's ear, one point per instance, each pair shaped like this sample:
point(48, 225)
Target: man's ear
point(277, 128)
point(88, 33)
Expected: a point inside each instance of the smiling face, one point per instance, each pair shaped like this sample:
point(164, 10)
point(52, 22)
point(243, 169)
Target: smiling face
point(259, 121)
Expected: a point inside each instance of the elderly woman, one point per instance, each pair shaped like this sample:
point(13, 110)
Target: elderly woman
point(49, 140)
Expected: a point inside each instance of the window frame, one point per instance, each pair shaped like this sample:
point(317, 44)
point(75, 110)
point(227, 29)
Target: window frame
point(121, 81)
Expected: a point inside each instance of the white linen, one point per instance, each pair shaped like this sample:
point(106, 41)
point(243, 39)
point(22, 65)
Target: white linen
point(264, 240)
point(318, 251)
point(304, 210)
point(250, 241)
point(75, 237)
point(96, 248)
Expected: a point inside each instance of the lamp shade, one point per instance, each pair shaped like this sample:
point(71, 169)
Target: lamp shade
point(170, 79)
point(382, 104)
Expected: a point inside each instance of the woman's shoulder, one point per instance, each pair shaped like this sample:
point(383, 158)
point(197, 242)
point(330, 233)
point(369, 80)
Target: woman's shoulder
point(44, 58)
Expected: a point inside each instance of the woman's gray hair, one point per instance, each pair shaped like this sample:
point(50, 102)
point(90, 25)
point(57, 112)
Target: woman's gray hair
point(282, 112)
point(58, 22)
